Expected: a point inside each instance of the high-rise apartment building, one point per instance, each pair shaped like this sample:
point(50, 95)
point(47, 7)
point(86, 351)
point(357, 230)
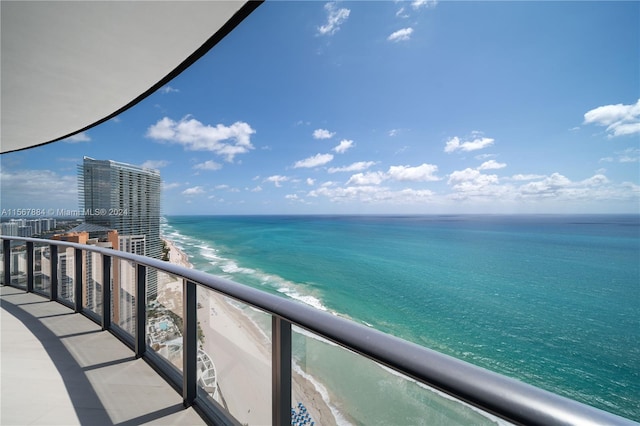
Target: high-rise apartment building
point(125, 198)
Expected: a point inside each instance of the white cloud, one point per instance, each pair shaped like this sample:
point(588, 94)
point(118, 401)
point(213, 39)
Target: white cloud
point(193, 191)
point(423, 173)
point(393, 132)
point(595, 180)
point(491, 165)
point(401, 35)
point(547, 186)
point(168, 89)
point(78, 137)
point(335, 18)
point(343, 147)
point(629, 155)
point(471, 184)
point(484, 156)
point(226, 141)
point(401, 150)
point(311, 182)
point(401, 13)
point(471, 175)
point(154, 164)
point(369, 178)
point(42, 189)
point(322, 134)
point(454, 144)
point(257, 189)
point(277, 180)
point(417, 4)
point(620, 119)
point(315, 161)
point(208, 165)
point(557, 187)
point(526, 177)
point(354, 167)
point(372, 195)
point(167, 186)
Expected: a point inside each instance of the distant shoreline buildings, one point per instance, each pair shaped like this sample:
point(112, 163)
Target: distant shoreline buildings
point(27, 227)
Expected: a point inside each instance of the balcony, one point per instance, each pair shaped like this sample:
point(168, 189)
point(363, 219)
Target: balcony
point(168, 357)
point(60, 368)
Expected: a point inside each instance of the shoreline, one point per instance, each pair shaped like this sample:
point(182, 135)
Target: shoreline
point(241, 352)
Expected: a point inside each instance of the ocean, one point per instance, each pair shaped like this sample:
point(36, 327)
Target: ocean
point(551, 300)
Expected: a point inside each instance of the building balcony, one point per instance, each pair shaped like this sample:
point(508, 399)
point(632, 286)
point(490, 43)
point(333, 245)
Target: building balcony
point(59, 368)
point(208, 350)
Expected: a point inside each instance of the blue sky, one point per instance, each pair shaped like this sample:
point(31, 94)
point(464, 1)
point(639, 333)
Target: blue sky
point(383, 107)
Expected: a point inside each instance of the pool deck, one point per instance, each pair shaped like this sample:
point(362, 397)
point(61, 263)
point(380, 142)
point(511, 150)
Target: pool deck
point(59, 368)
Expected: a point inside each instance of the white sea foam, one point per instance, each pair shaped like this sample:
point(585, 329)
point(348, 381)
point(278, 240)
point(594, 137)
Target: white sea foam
point(441, 394)
point(210, 254)
point(307, 299)
point(319, 387)
point(232, 267)
point(311, 335)
point(241, 307)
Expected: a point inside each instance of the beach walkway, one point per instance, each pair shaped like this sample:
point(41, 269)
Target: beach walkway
point(60, 368)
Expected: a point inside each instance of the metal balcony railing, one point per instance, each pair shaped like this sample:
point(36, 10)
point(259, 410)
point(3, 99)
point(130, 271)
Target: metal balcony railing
point(490, 392)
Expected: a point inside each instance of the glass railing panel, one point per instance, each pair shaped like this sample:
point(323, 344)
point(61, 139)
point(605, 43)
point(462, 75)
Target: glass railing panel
point(234, 362)
point(332, 385)
point(19, 265)
point(123, 295)
point(165, 317)
point(92, 282)
point(42, 268)
point(66, 273)
point(2, 262)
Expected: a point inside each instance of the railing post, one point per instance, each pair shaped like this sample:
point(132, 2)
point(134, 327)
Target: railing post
point(281, 372)
point(6, 247)
point(189, 343)
point(30, 267)
point(53, 262)
point(141, 310)
point(77, 280)
point(106, 292)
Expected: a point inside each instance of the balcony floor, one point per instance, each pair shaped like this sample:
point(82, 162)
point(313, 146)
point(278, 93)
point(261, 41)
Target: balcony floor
point(59, 368)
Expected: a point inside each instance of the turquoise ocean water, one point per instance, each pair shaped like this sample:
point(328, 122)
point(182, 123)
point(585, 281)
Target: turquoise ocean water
point(550, 300)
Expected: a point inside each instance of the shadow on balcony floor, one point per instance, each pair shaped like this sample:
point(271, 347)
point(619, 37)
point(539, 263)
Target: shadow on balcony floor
point(59, 368)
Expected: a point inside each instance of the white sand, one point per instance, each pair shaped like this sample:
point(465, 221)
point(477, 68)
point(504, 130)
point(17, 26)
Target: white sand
point(242, 356)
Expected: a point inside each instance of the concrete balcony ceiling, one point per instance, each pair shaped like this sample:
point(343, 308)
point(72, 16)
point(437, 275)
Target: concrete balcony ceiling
point(68, 66)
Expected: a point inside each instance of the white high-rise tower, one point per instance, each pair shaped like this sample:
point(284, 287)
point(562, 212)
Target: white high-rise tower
point(125, 198)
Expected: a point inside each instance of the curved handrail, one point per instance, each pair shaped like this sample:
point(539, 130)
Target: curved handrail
point(502, 396)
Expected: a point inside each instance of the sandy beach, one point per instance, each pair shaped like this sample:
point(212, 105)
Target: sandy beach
point(241, 353)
